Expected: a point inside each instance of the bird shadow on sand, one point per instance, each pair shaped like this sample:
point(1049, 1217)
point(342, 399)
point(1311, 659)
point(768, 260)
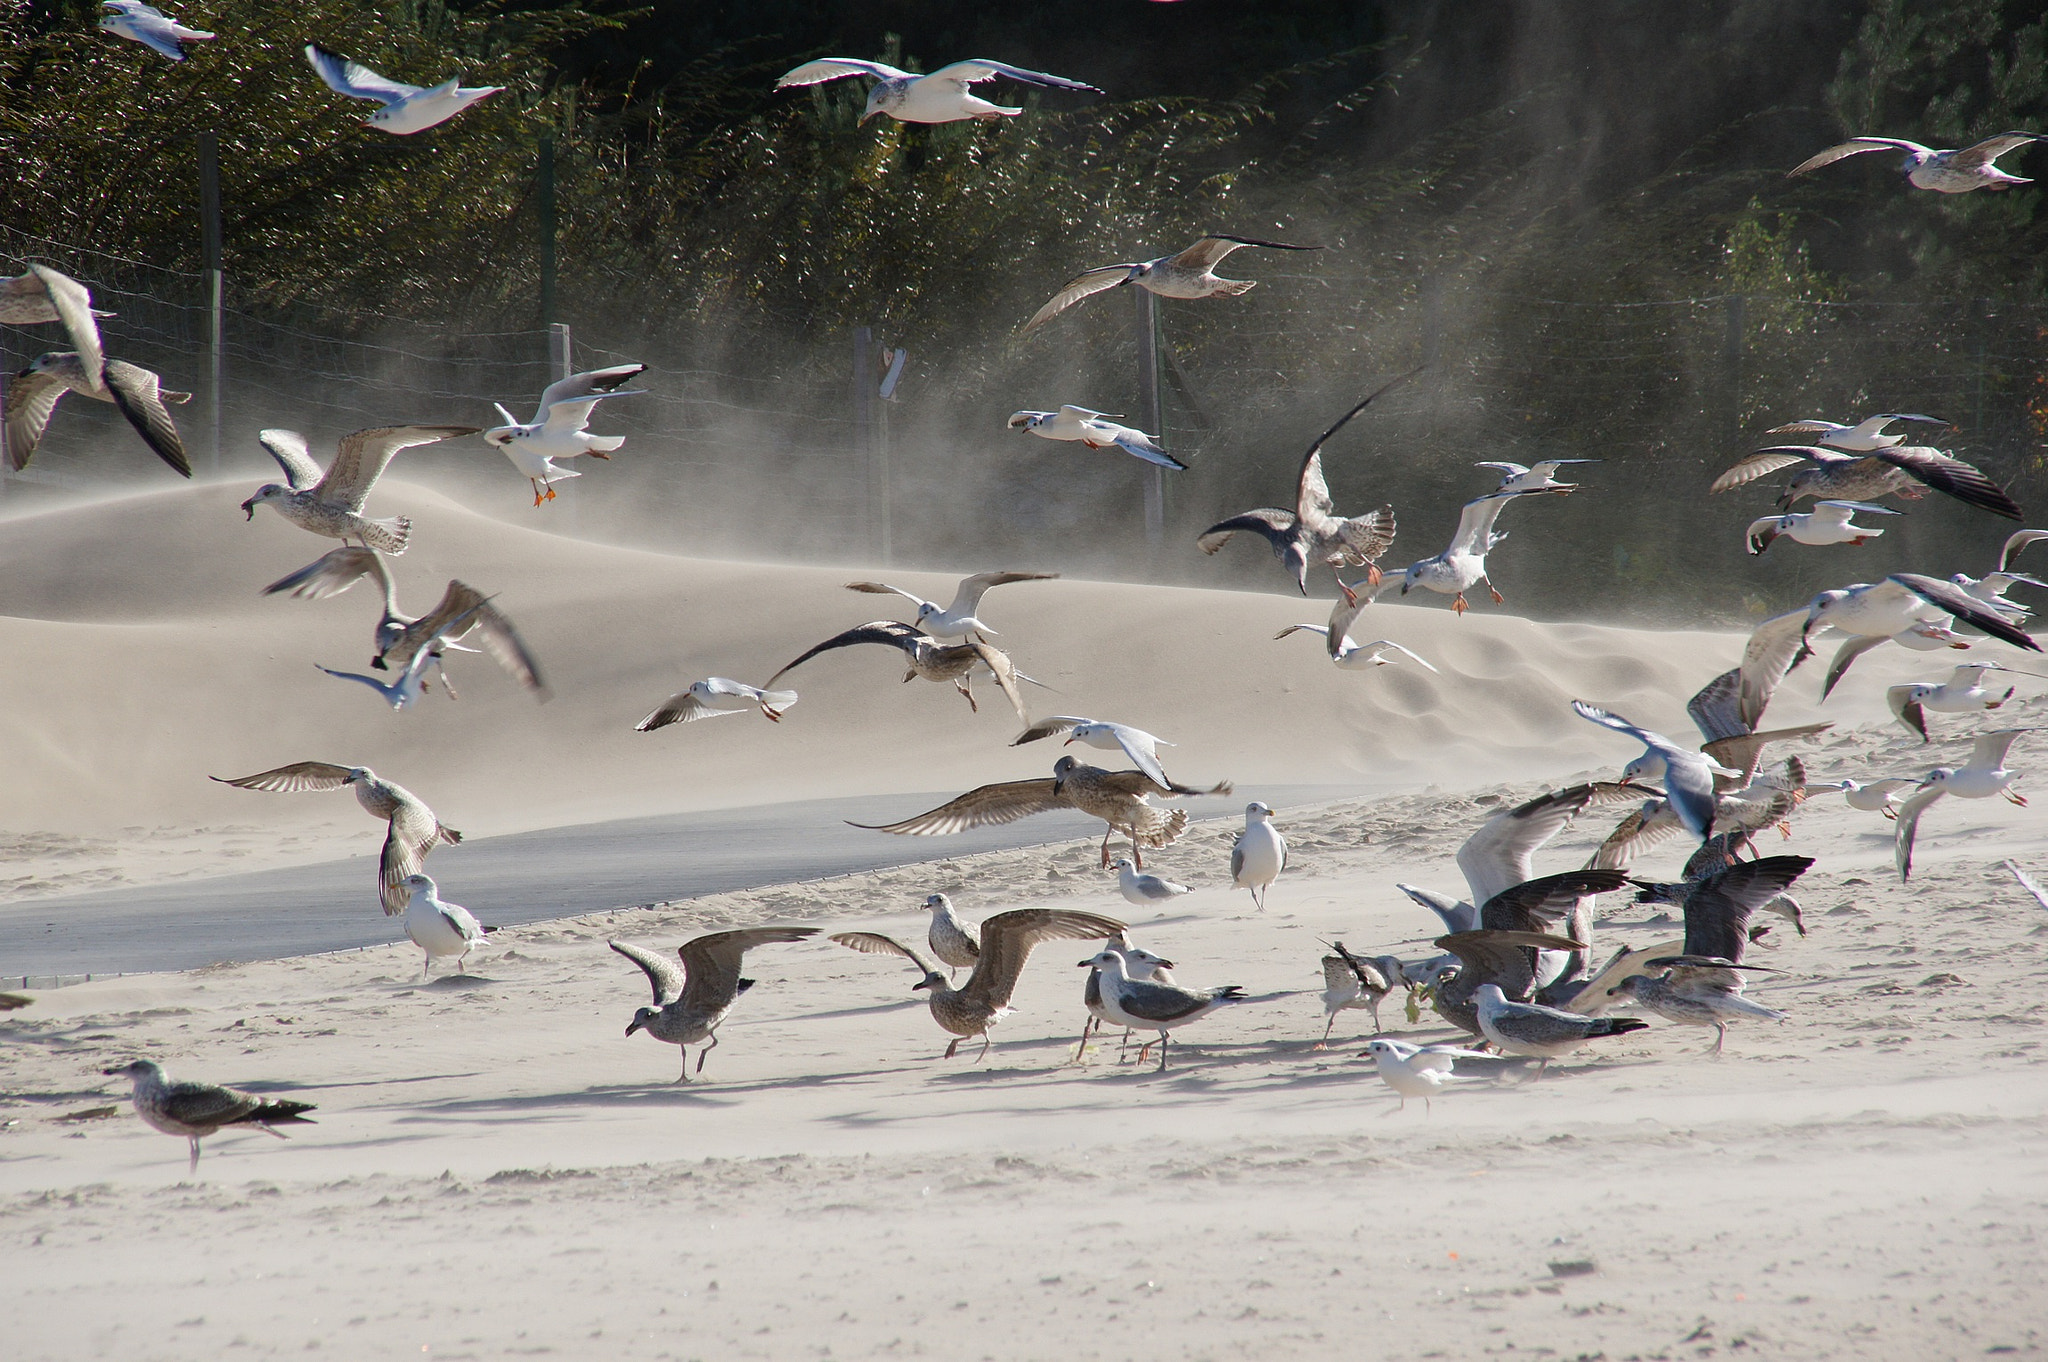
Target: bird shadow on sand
point(458, 983)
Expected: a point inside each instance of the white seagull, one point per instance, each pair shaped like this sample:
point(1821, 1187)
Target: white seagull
point(1861, 438)
point(1981, 777)
point(713, 696)
point(1095, 430)
point(1348, 652)
point(1874, 612)
point(1189, 274)
point(1963, 693)
point(47, 295)
point(406, 108)
point(1536, 477)
point(1144, 891)
point(956, 620)
point(1687, 775)
point(1876, 796)
point(137, 392)
point(1462, 566)
point(559, 429)
point(151, 27)
point(1944, 172)
point(1827, 523)
point(939, 97)
point(1259, 854)
point(1420, 1070)
point(1992, 586)
point(440, 929)
point(1140, 747)
point(330, 503)
point(405, 691)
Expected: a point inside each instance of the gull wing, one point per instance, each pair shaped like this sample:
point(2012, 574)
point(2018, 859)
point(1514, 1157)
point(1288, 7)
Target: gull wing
point(681, 708)
point(1960, 603)
point(1908, 827)
point(566, 404)
point(1647, 826)
point(1989, 752)
point(980, 807)
point(1717, 707)
point(1270, 523)
point(491, 626)
point(1855, 146)
point(1501, 854)
point(1500, 957)
point(1809, 427)
point(1475, 522)
point(838, 68)
point(345, 77)
point(1047, 728)
point(884, 589)
point(894, 633)
point(1311, 492)
point(1743, 751)
point(1208, 251)
point(203, 1104)
point(1007, 939)
point(965, 73)
point(1991, 148)
point(1593, 999)
point(1083, 285)
point(332, 573)
point(713, 962)
point(365, 455)
point(998, 663)
point(414, 832)
point(1540, 904)
point(1965, 482)
point(666, 979)
point(1138, 746)
point(2016, 541)
point(73, 302)
point(874, 943)
point(1757, 465)
point(288, 447)
point(967, 598)
point(300, 775)
point(1717, 908)
point(1907, 710)
point(31, 399)
point(1773, 650)
point(138, 394)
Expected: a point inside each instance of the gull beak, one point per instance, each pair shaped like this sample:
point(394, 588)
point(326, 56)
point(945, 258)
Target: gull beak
point(249, 508)
point(633, 1026)
point(920, 984)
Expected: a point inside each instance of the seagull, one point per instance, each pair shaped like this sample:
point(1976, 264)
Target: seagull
point(1006, 942)
point(400, 637)
point(1419, 1070)
point(48, 295)
point(955, 940)
point(1121, 799)
point(690, 1002)
point(1827, 523)
point(1138, 964)
point(1506, 959)
point(1348, 652)
point(1153, 1005)
point(1873, 613)
point(1688, 776)
point(33, 395)
point(1992, 586)
point(1463, 565)
point(331, 503)
point(1190, 274)
point(1258, 855)
point(1097, 431)
point(715, 696)
point(1312, 535)
point(1944, 172)
point(414, 830)
point(1739, 813)
point(939, 97)
point(407, 109)
point(1898, 469)
point(196, 1110)
point(1351, 982)
point(1962, 693)
point(151, 27)
point(1144, 891)
point(1537, 477)
point(925, 656)
point(1501, 854)
point(1981, 777)
point(405, 692)
point(1877, 796)
point(1540, 1032)
point(559, 429)
point(1861, 438)
point(439, 929)
point(1703, 986)
point(1138, 746)
point(956, 620)
point(1555, 905)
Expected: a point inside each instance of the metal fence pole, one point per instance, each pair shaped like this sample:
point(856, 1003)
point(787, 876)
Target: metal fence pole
point(210, 253)
point(561, 358)
point(1150, 410)
point(863, 424)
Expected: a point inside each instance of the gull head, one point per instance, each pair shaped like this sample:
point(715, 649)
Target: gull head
point(1787, 907)
point(420, 884)
point(1256, 812)
point(883, 96)
point(497, 437)
point(644, 1017)
point(1029, 420)
point(1121, 863)
point(1104, 960)
point(1627, 987)
point(1381, 1049)
point(358, 775)
point(1648, 767)
point(137, 1069)
point(1410, 575)
point(1296, 560)
point(937, 901)
point(265, 494)
point(1060, 771)
point(932, 979)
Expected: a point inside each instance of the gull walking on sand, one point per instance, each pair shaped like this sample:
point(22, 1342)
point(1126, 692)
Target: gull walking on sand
point(1138, 964)
point(440, 929)
point(714, 696)
point(413, 829)
point(1144, 891)
point(1963, 693)
point(44, 294)
point(331, 503)
point(1346, 651)
point(1140, 747)
point(925, 656)
point(197, 1110)
point(1945, 172)
point(1900, 470)
point(1540, 1032)
point(1006, 943)
point(1350, 982)
point(1312, 534)
point(940, 96)
point(691, 1001)
point(1258, 855)
point(956, 620)
point(1861, 438)
point(1096, 430)
point(560, 427)
point(1153, 1005)
point(134, 391)
point(1420, 1070)
point(406, 109)
point(955, 940)
point(1189, 274)
point(1462, 565)
point(1983, 776)
point(1536, 477)
point(1827, 523)
point(151, 27)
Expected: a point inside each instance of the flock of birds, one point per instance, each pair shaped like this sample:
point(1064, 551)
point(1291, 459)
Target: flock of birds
point(1517, 973)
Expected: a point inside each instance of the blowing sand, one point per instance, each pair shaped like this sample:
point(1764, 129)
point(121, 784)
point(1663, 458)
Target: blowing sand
point(497, 1170)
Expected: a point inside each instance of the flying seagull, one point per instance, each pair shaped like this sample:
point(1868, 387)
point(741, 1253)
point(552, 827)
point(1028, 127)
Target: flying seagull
point(1095, 430)
point(559, 429)
point(1896, 469)
point(1963, 693)
point(1687, 776)
point(1348, 652)
point(196, 1110)
point(406, 108)
point(1983, 776)
point(1140, 747)
point(1190, 274)
point(1827, 523)
point(48, 295)
point(149, 26)
point(405, 692)
point(956, 620)
point(939, 97)
point(1462, 565)
point(925, 656)
point(1861, 438)
point(331, 503)
point(1502, 852)
point(713, 696)
point(691, 1001)
point(1536, 477)
point(1873, 612)
point(1944, 172)
point(413, 832)
point(138, 394)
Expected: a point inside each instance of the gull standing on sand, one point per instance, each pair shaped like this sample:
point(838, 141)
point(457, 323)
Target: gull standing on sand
point(1122, 799)
point(956, 620)
point(1420, 1070)
point(955, 940)
point(1536, 477)
point(1981, 777)
point(196, 1110)
point(407, 109)
point(1140, 747)
point(413, 832)
point(1006, 942)
point(1154, 1005)
point(1900, 470)
point(1687, 776)
point(1861, 438)
point(560, 427)
point(925, 656)
point(1144, 891)
point(1348, 652)
point(1138, 964)
point(1095, 430)
point(331, 503)
point(1188, 274)
point(691, 1001)
point(1312, 534)
point(136, 392)
point(714, 696)
point(1462, 566)
point(1349, 981)
point(941, 96)
point(151, 27)
point(1258, 855)
point(1944, 172)
point(440, 929)
point(1827, 523)
point(44, 294)
point(1962, 693)
point(1540, 1032)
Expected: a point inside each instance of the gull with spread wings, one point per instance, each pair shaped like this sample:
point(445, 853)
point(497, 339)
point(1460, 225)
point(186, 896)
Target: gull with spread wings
point(137, 393)
point(1189, 274)
point(1140, 747)
point(925, 656)
point(956, 620)
point(691, 1000)
point(1900, 470)
point(1945, 172)
point(405, 109)
point(714, 696)
point(1861, 438)
point(44, 294)
point(1346, 651)
point(940, 96)
point(1687, 776)
point(1983, 776)
point(330, 503)
point(149, 26)
point(560, 427)
point(1096, 430)
point(414, 830)
point(1462, 565)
